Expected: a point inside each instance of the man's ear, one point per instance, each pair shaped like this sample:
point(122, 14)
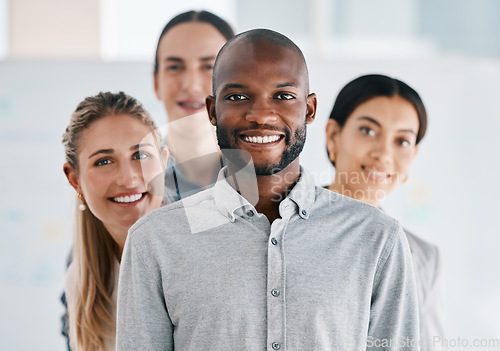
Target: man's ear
point(332, 132)
point(312, 104)
point(210, 104)
point(72, 177)
point(156, 87)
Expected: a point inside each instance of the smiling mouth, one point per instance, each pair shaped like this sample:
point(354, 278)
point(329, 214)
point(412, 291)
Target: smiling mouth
point(376, 174)
point(261, 139)
point(128, 198)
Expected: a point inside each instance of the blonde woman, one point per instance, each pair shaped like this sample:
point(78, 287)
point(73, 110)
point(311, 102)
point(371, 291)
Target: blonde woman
point(115, 164)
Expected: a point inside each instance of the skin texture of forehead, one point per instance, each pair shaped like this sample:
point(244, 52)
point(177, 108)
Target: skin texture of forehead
point(261, 48)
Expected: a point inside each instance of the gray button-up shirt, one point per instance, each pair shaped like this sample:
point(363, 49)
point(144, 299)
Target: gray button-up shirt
point(211, 273)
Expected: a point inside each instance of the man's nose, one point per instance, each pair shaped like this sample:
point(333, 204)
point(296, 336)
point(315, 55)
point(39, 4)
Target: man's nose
point(261, 112)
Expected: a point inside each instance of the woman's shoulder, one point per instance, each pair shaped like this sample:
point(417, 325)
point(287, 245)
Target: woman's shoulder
point(421, 246)
point(426, 256)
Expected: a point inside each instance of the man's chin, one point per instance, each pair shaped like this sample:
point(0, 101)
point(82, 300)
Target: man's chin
point(267, 170)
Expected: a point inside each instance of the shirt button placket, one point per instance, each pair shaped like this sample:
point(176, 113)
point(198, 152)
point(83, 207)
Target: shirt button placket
point(276, 284)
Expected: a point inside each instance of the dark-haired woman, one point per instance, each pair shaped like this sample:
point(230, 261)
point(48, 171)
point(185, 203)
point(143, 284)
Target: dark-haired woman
point(372, 137)
point(185, 56)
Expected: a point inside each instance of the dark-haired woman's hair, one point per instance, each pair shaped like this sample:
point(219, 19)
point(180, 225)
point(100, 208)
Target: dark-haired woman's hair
point(196, 16)
point(371, 86)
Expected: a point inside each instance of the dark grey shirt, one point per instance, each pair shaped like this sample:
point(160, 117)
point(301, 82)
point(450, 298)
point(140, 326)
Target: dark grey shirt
point(177, 185)
point(210, 273)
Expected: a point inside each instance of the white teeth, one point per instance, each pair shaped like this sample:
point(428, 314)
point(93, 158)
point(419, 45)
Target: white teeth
point(261, 140)
point(127, 199)
point(378, 174)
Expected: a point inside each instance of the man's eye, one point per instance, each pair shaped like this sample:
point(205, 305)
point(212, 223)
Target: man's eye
point(284, 96)
point(367, 131)
point(236, 97)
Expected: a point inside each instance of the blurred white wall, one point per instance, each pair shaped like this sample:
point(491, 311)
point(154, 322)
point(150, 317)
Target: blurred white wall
point(451, 199)
point(54, 29)
point(4, 29)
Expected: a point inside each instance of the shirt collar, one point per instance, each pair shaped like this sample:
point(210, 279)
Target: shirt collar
point(229, 201)
point(303, 194)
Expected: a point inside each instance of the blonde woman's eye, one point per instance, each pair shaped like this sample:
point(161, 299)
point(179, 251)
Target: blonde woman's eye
point(141, 155)
point(102, 162)
point(367, 131)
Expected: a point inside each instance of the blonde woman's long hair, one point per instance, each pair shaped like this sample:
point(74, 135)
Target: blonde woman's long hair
point(94, 249)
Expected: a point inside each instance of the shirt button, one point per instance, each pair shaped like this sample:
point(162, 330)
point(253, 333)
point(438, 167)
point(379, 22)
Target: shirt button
point(250, 213)
point(304, 212)
point(275, 292)
point(276, 345)
point(274, 241)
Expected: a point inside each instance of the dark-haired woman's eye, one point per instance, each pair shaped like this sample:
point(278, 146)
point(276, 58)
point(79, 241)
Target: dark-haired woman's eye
point(174, 68)
point(404, 143)
point(367, 131)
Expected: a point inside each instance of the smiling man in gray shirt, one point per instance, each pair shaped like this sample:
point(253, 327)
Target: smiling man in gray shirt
point(265, 260)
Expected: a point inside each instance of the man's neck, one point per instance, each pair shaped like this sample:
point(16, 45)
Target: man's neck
point(272, 189)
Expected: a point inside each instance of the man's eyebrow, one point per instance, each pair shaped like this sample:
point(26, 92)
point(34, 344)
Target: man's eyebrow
point(102, 151)
point(284, 85)
point(378, 124)
point(233, 86)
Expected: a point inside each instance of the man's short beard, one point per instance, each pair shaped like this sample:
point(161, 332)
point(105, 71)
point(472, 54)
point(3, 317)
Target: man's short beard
point(293, 149)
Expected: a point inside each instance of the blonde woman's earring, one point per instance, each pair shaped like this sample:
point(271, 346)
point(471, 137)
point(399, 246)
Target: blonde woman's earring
point(332, 156)
point(82, 206)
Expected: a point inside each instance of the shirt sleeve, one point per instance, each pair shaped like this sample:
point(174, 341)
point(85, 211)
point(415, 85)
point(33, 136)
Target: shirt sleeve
point(143, 322)
point(394, 321)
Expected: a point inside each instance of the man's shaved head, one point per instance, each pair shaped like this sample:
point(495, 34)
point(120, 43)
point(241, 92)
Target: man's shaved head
point(254, 36)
